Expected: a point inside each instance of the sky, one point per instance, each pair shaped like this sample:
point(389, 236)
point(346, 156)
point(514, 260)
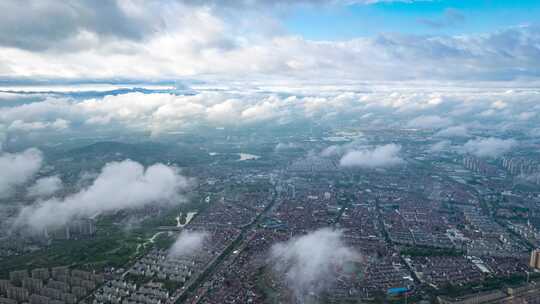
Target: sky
point(455, 17)
point(308, 40)
point(461, 68)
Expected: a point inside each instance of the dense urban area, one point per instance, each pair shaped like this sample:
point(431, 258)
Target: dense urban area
point(438, 226)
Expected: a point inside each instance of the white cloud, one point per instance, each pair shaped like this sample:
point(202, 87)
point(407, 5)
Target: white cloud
point(381, 156)
point(226, 112)
point(456, 110)
point(120, 185)
point(159, 112)
point(267, 109)
point(239, 41)
point(17, 169)
point(188, 243)
point(45, 186)
point(308, 263)
point(489, 147)
point(19, 125)
point(339, 150)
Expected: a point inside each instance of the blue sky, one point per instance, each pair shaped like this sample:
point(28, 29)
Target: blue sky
point(445, 17)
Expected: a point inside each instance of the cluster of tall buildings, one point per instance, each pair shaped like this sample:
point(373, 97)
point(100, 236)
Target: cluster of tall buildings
point(77, 229)
point(158, 264)
point(520, 166)
point(58, 285)
point(477, 165)
point(122, 292)
point(534, 262)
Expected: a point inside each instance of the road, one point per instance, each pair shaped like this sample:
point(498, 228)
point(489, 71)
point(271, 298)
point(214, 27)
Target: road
point(211, 268)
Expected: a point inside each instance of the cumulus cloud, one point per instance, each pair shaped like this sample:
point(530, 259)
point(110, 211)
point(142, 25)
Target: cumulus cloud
point(159, 112)
point(381, 156)
point(339, 150)
point(17, 169)
point(309, 262)
point(489, 147)
point(119, 185)
point(45, 186)
point(454, 111)
point(188, 243)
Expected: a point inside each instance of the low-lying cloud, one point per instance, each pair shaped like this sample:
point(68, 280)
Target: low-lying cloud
point(489, 147)
point(380, 157)
point(45, 186)
point(309, 262)
point(188, 243)
point(18, 169)
point(452, 112)
point(119, 185)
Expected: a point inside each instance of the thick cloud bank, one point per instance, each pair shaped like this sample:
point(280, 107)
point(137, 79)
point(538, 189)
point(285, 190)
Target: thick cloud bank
point(489, 147)
point(80, 39)
point(120, 185)
point(454, 112)
point(17, 169)
point(380, 157)
point(309, 262)
point(187, 244)
point(45, 186)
